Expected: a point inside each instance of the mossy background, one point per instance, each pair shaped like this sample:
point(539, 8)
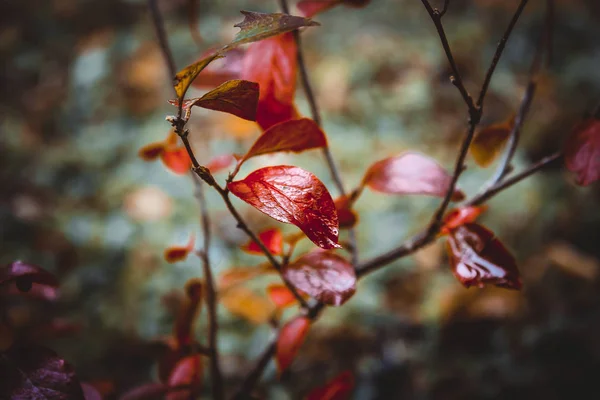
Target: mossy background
point(84, 86)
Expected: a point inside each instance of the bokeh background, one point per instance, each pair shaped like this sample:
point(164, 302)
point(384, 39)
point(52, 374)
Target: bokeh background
point(83, 86)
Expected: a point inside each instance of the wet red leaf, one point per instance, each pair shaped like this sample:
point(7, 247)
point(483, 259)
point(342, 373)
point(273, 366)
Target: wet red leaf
point(310, 8)
point(294, 135)
point(281, 295)
point(477, 258)
point(272, 239)
point(236, 97)
point(582, 151)
point(220, 163)
point(190, 307)
point(460, 216)
point(175, 254)
point(409, 173)
point(291, 337)
point(325, 276)
point(24, 276)
point(338, 388)
point(294, 196)
point(188, 371)
point(272, 64)
point(346, 215)
point(35, 372)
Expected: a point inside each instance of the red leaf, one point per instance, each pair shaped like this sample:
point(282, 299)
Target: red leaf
point(477, 257)
point(310, 8)
point(177, 160)
point(152, 151)
point(188, 371)
point(220, 162)
point(582, 151)
point(272, 238)
point(272, 64)
point(291, 337)
point(175, 254)
point(339, 388)
point(35, 372)
point(346, 215)
point(294, 135)
point(237, 97)
point(325, 276)
point(489, 142)
point(25, 275)
point(281, 295)
point(409, 173)
point(295, 196)
point(460, 216)
point(221, 70)
point(184, 324)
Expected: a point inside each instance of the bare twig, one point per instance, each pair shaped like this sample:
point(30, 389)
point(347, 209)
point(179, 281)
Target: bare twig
point(446, 3)
point(159, 27)
point(211, 296)
point(316, 116)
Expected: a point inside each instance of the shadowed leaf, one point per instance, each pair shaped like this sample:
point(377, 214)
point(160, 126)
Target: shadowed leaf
point(338, 388)
point(238, 275)
point(35, 372)
point(489, 142)
point(295, 135)
point(325, 276)
point(272, 239)
point(346, 215)
point(295, 196)
point(237, 97)
point(258, 26)
point(291, 337)
point(477, 258)
point(582, 151)
point(409, 173)
point(152, 151)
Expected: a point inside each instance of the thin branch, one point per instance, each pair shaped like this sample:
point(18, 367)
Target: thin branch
point(211, 296)
point(446, 3)
point(316, 116)
point(159, 27)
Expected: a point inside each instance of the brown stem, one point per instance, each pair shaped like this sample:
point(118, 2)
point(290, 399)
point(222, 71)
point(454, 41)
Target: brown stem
point(211, 296)
point(159, 27)
point(445, 8)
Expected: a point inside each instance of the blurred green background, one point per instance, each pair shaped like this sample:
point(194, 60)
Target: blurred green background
point(84, 86)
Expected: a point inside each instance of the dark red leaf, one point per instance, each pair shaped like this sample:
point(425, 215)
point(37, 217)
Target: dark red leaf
point(272, 238)
point(409, 173)
point(346, 215)
point(339, 388)
point(35, 372)
point(325, 276)
point(477, 258)
point(174, 254)
point(190, 307)
point(177, 160)
point(460, 216)
point(293, 135)
point(272, 64)
point(237, 97)
point(25, 275)
point(295, 196)
point(188, 371)
point(582, 151)
point(291, 337)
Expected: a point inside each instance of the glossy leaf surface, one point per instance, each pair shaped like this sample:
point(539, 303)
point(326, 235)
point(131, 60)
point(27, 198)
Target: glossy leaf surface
point(582, 151)
point(489, 142)
point(477, 258)
point(325, 276)
point(409, 173)
point(338, 388)
point(35, 372)
point(294, 135)
point(272, 239)
point(295, 196)
point(273, 64)
point(237, 97)
point(291, 337)
point(259, 26)
point(175, 254)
